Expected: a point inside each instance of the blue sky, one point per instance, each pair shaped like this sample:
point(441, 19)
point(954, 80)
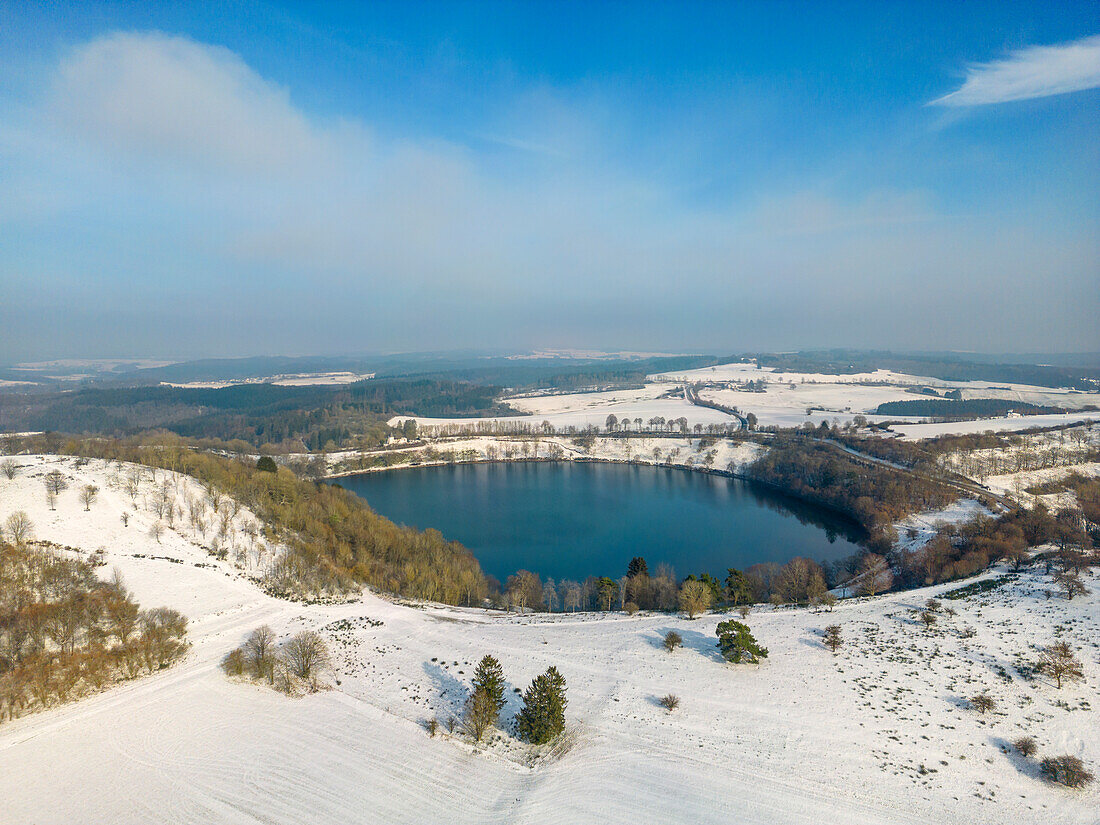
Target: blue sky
point(231, 178)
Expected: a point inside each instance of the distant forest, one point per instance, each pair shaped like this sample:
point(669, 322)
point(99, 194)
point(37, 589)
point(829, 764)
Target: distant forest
point(295, 418)
point(311, 418)
point(1081, 373)
point(971, 408)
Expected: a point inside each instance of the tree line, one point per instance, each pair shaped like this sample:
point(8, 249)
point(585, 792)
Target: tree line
point(333, 542)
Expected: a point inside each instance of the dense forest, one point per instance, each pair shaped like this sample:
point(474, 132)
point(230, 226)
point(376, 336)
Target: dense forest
point(873, 495)
point(1080, 374)
point(963, 409)
point(280, 418)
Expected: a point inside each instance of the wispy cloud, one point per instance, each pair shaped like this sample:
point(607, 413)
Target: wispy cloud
point(1037, 71)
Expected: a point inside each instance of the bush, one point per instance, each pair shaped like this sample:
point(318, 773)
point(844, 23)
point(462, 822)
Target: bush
point(1066, 770)
point(982, 703)
point(1026, 746)
point(669, 702)
point(233, 663)
point(631, 608)
point(673, 640)
point(267, 464)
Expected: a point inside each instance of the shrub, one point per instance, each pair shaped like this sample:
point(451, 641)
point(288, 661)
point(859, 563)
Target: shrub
point(982, 703)
point(1066, 770)
point(673, 640)
point(631, 608)
point(669, 702)
point(233, 663)
point(267, 464)
point(1026, 746)
point(832, 638)
point(432, 726)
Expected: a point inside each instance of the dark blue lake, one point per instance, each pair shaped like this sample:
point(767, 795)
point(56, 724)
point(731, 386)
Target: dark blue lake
point(571, 520)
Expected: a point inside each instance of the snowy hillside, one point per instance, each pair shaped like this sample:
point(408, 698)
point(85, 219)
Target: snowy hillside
point(880, 732)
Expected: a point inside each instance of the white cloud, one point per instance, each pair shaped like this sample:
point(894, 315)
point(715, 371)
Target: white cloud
point(172, 98)
point(183, 181)
point(1037, 71)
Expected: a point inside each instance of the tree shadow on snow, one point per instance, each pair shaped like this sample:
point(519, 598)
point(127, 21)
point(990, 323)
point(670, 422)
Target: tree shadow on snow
point(694, 640)
point(449, 690)
point(1027, 767)
point(816, 640)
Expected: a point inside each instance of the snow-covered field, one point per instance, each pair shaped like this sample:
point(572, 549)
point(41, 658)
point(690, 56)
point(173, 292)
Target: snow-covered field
point(311, 379)
point(878, 733)
point(788, 400)
point(786, 404)
point(1050, 396)
point(591, 409)
point(914, 432)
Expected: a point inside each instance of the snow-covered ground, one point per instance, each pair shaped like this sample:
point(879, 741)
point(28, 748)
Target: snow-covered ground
point(916, 530)
point(591, 409)
point(915, 432)
point(1049, 396)
point(878, 733)
point(787, 400)
point(792, 404)
point(304, 379)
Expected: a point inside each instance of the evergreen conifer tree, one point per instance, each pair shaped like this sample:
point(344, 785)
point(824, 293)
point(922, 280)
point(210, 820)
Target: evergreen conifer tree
point(737, 643)
point(490, 678)
point(543, 714)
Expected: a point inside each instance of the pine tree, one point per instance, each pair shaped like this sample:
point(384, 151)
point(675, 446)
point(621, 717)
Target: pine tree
point(543, 714)
point(738, 588)
point(832, 637)
point(737, 643)
point(490, 678)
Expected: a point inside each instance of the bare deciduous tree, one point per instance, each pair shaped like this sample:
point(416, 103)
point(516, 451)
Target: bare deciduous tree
point(19, 527)
point(1071, 584)
point(307, 655)
point(55, 483)
point(982, 703)
point(88, 495)
point(875, 575)
point(694, 598)
point(259, 650)
point(1059, 663)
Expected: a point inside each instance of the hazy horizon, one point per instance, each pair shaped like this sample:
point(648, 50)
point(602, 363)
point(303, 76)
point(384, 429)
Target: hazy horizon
point(227, 181)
